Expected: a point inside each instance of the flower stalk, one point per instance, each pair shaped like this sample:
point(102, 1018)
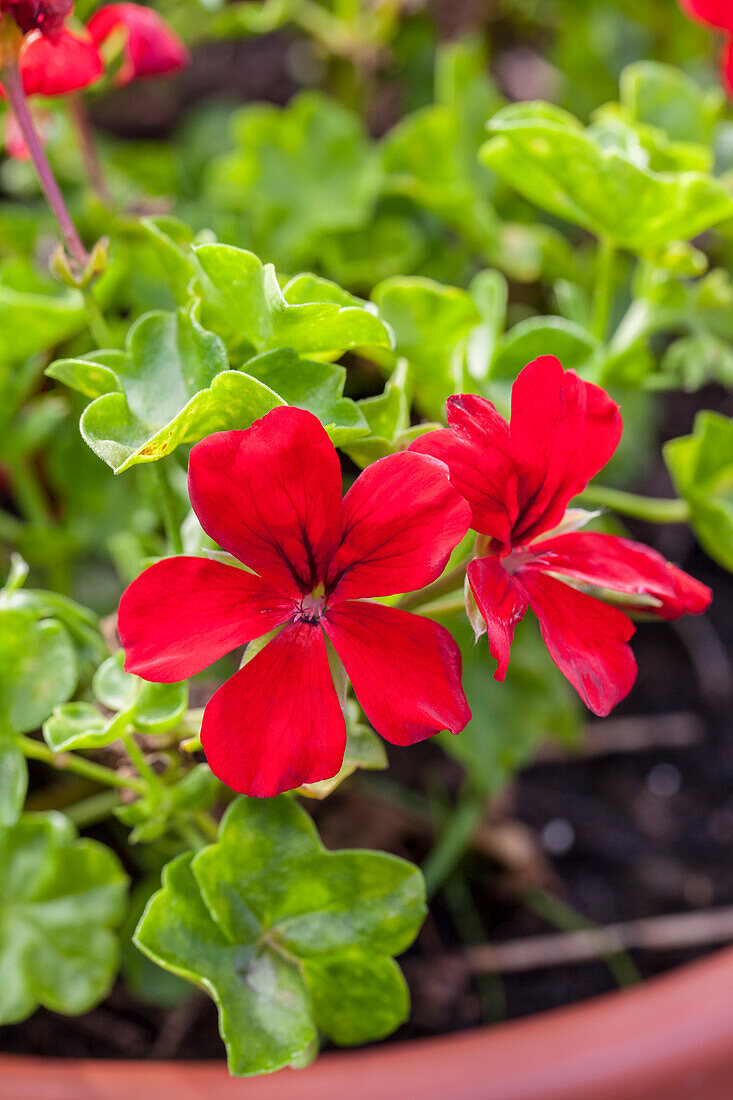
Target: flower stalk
point(11, 79)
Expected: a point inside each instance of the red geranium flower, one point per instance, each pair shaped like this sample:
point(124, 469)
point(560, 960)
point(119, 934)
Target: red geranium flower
point(151, 47)
point(271, 496)
point(519, 480)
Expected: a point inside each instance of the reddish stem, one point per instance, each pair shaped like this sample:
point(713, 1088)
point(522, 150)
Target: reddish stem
point(88, 147)
point(13, 86)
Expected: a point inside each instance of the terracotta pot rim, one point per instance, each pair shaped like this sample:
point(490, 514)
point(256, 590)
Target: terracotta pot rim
point(668, 1039)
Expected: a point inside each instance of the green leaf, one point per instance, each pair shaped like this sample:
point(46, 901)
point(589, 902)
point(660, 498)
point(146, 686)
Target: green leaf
point(38, 668)
point(545, 154)
point(373, 1001)
point(60, 898)
point(287, 937)
point(701, 466)
point(34, 322)
point(666, 97)
point(275, 176)
point(13, 779)
point(431, 323)
point(91, 375)
point(574, 346)
point(317, 387)
point(173, 387)
point(77, 726)
point(154, 708)
point(309, 315)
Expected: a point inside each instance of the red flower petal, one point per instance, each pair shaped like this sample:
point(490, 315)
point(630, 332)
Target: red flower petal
point(58, 67)
point(152, 48)
point(586, 639)
point(183, 613)
point(405, 670)
point(623, 566)
point(271, 495)
point(402, 518)
point(563, 431)
point(477, 450)
point(691, 597)
point(502, 601)
point(277, 723)
point(717, 13)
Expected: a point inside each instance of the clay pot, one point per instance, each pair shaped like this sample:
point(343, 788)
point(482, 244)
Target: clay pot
point(670, 1039)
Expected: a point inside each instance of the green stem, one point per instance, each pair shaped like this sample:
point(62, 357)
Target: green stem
point(93, 809)
point(604, 287)
point(88, 148)
point(29, 494)
point(561, 915)
point(67, 761)
point(97, 323)
point(206, 824)
point(652, 509)
point(168, 509)
point(454, 841)
point(150, 777)
point(447, 583)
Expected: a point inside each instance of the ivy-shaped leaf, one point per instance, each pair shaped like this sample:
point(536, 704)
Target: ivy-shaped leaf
point(38, 668)
point(388, 418)
point(318, 387)
point(60, 898)
point(173, 386)
point(289, 939)
point(545, 154)
point(431, 323)
point(243, 301)
point(701, 466)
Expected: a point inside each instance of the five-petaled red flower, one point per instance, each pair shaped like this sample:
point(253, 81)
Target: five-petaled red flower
point(519, 479)
point(271, 496)
point(717, 14)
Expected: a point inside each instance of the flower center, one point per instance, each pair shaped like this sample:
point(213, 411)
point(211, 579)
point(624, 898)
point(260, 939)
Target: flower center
point(311, 607)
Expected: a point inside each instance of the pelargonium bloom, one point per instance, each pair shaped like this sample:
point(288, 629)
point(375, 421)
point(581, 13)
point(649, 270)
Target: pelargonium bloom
point(271, 497)
point(151, 48)
point(519, 479)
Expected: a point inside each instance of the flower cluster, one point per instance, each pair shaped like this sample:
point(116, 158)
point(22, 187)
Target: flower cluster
point(717, 14)
point(306, 569)
point(55, 59)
